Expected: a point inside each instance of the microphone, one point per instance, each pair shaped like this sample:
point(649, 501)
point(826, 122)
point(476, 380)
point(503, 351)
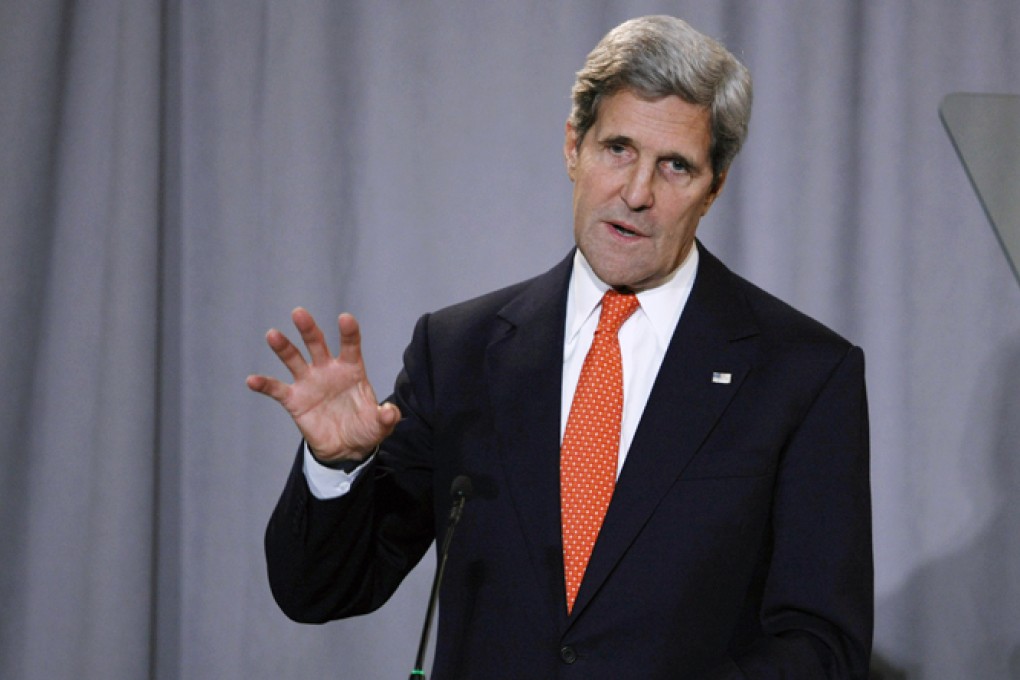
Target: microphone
point(460, 492)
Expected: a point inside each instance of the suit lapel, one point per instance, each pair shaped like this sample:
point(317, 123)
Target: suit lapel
point(684, 405)
point(524, 366)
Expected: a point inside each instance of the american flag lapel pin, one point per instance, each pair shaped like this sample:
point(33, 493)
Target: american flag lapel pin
point(721, 378)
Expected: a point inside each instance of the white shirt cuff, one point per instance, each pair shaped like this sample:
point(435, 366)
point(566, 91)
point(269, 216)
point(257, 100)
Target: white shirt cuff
point(326, 483)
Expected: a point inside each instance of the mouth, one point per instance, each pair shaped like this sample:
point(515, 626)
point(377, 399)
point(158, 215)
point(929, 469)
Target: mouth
point(625, 230)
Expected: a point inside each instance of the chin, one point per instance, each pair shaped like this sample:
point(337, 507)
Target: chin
point(615, 278)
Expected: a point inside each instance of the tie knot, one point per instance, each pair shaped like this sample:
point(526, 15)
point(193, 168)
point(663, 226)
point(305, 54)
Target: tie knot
point(616, 308)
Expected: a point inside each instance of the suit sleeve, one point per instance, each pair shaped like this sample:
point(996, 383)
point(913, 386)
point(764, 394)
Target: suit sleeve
point(345, 556)
point(817, 605)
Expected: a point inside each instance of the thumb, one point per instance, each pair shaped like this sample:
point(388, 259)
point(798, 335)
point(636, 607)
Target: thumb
point(389, 415)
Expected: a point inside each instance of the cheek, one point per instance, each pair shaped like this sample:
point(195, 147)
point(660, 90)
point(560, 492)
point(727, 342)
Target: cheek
point(586, 200)
point(682, 230)
point(684, 222)
point(595, 183)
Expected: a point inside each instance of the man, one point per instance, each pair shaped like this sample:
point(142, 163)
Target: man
point(716, 524)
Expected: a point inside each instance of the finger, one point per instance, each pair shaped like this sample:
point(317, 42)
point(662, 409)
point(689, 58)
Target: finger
point(271, 387)
point(350, 339)
point(312, 336)
point(287, 353)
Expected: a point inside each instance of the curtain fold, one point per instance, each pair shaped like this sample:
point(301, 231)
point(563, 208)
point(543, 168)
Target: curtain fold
point(81, 181)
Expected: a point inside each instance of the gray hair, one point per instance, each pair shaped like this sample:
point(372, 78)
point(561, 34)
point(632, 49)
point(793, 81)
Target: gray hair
point(658, 56)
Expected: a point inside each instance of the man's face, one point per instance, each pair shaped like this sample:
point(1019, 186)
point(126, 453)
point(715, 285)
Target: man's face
point(642, 180)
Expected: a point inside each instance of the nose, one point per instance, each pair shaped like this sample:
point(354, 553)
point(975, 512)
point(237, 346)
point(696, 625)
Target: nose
point(638, 192)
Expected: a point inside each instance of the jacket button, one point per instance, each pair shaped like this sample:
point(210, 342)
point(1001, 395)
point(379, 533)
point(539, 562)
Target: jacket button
point(567, 654)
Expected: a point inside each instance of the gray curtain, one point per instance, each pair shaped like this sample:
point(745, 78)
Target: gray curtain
point(177, 175)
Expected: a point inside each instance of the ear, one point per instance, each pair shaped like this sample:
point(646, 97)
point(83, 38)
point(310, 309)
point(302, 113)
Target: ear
point(714, 193)
point(570, 150)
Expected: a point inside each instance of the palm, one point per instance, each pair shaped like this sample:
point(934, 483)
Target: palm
point(331, 401)
point(335, 407)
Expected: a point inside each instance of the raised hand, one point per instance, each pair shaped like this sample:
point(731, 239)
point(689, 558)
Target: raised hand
point(330, 400)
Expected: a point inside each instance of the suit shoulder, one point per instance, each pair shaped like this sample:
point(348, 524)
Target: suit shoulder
point(781, 319)
point(490, 307)
point(482, 306)
point(775, 320)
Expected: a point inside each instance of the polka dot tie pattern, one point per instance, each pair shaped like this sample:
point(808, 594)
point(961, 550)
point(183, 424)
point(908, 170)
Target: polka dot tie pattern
point(591, 442)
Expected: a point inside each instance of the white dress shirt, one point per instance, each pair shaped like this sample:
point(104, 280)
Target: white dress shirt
point(644, 338)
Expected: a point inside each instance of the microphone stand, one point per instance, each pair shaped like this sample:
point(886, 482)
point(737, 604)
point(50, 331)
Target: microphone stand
point(460, 491)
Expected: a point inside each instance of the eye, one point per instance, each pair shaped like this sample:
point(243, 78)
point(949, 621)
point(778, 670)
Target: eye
point(677, 166)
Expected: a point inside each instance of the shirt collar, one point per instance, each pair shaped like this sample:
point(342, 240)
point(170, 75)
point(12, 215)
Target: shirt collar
point(661, 305)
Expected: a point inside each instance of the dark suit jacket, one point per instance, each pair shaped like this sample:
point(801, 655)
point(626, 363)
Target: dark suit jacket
point(738, 540)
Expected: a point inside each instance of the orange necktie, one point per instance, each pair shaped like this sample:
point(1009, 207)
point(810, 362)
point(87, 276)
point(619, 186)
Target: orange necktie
point(591, 442)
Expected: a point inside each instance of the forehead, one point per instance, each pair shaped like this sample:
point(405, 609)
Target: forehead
point(667, 124)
